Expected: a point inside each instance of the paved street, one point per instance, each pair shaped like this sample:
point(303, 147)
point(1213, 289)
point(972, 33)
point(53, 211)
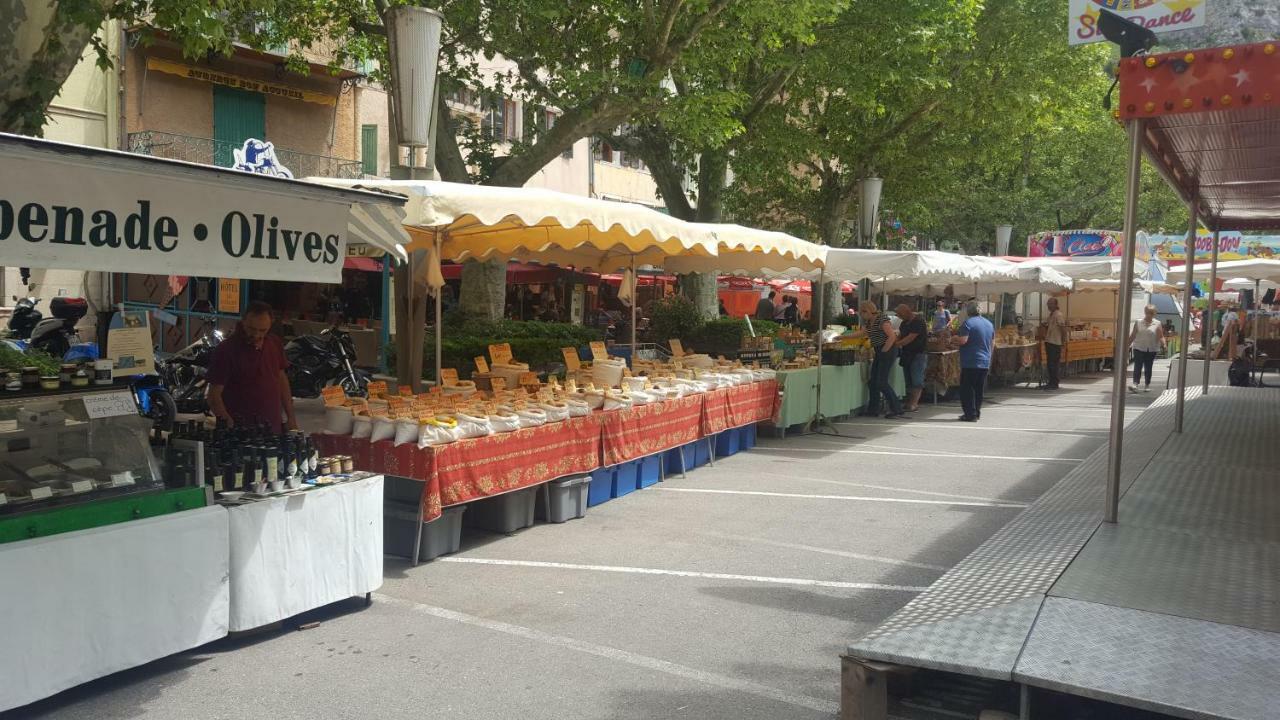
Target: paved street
point(728, 594)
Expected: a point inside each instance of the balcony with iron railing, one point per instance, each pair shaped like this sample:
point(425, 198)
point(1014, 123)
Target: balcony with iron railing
point(206, 151)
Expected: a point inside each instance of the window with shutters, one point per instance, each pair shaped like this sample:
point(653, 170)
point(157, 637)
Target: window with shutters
point(369, 149)
point(237, 116)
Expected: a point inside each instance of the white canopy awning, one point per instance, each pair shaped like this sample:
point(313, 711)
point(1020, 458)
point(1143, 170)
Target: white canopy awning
point(80, 208)
point(1023, 279)
point(1085, 286)
point(1256, 269)
point(484, 222)
point(1087, 268)
point(751, 252)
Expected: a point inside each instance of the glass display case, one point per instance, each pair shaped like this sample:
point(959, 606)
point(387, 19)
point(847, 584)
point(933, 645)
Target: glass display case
point(74, 460)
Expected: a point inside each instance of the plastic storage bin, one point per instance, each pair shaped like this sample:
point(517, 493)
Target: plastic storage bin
point(701, 452)
point(728, 442)
point(439, 537)
point(626, 478)
point(650, 471)
point(747, 436)
point(600, 487)
point(565, 499)
point(672, 458)
point(505, 513)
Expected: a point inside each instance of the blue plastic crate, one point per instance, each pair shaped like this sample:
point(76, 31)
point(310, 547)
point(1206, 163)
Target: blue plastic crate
point(600, 489)
point(728, 442)
point(626, 478)
point(701, 452)
point(650, 470)
point(747, 436)
point(672, 457)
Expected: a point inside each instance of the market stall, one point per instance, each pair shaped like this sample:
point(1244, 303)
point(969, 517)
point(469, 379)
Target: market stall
point(93, 502)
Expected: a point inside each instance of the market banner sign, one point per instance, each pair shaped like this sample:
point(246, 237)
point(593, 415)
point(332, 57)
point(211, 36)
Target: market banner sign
point(1231, 246)
point(1084, 243)
point(1158, 16)
point(209, 75)
point(118, 215)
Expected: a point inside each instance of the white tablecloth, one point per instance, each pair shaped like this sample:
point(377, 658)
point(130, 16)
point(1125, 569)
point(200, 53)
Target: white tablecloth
point(300, 552)
point(1195, 372)
point(85, 604)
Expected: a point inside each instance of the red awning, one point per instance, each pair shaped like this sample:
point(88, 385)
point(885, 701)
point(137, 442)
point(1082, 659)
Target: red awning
point(366, 264)
point(1211, 126)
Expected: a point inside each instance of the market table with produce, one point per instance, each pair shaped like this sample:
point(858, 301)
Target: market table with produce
point(844, 391)
point(461, 470)
point(1016, 362)
point(943, 370)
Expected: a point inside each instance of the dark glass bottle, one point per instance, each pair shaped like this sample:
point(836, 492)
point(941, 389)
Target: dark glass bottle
point(249, 475)
point(313, 458)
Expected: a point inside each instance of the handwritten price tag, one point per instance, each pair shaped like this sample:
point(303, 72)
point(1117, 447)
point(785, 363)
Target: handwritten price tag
point(599, 351)
point(529, 378)
point(112, 404)
point(500, 353)
point(449, 376)
point(377, 388)
point(677, 347)
point(571, 361)
point(482, 366)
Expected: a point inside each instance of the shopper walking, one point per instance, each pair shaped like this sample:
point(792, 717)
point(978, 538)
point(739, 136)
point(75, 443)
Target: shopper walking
point(883, 343)
point(1146, 339)
point(765, 308)
point(974, 340)
point(913, 344)
point(1055, 337)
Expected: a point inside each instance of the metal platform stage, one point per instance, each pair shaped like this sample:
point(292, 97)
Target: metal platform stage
point(1175, 609)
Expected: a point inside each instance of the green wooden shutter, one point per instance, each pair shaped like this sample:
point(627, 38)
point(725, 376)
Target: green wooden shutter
point(369, 149)
point(237, 116)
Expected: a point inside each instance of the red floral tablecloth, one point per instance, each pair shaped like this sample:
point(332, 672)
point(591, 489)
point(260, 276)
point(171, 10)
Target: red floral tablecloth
point(471, 469)
point(715, 411)
point(648, 429)
point(753, 403)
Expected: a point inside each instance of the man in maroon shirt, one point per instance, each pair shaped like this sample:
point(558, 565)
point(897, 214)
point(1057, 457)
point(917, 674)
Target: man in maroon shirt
point(247, 380)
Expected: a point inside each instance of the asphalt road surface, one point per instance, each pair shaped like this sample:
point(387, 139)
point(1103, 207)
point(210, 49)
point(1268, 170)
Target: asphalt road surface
point(727, 594)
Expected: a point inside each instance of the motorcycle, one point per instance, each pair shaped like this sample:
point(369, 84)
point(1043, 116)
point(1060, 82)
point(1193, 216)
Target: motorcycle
point(57, 334)
point(317, 361)
point(24, 318)
point(179, 385)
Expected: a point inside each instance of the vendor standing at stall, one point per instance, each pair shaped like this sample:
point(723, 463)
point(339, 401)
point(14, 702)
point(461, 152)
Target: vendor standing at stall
point(247, 381)
point(913, 344)
point(883, 341)
point(1055, 337)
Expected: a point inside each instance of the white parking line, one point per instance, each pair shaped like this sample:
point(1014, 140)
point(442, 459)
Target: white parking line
point(953, 425)
point(908, 501)
point(891, 488)
point(919, 454)
point(683, 573)
point(825, 551)
point(610, 653)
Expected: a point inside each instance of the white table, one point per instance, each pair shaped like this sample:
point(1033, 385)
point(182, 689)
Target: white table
point(85, 604)
point(1195, 372)
point(299, 552)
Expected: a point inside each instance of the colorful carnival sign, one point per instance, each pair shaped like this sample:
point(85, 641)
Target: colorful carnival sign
point(1231, 246)
point(1082, 243)
point(1158, 16)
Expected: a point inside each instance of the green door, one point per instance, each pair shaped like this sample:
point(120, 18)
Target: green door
point(369, 149)
point(237, 116)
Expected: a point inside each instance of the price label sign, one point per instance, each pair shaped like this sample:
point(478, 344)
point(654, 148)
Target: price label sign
point(529, 378)
point(448, 376)
point(571, 361)
point(498, 383)
point(500, 353)
point(112, 404)
point(404, 390)
point(598, 350)
point(482, 366)
point(677, 347)
point(377, 388)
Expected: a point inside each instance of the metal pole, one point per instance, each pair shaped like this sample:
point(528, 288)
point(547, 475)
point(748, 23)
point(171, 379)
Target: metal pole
point(1119, 369)
point(817, 412)
point(1186, 322)
point(439, 318)
point(384, 332)
point(635, 300)
point(1209, 322)
point(1257, 315)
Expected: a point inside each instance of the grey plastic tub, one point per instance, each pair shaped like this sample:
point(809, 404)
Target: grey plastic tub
point(439, 537)
point(566, 499)
point(505, 513)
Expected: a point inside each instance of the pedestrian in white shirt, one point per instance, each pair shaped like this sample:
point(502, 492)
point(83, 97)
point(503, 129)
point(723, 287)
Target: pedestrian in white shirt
point(1146, 339)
